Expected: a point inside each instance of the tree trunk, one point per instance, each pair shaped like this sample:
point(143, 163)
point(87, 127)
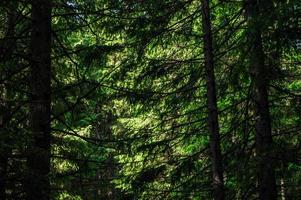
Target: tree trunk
point(4, 150)
point(7, 48)
point(38, 158)
point(266, 171)
point(217, 167)
point(5, 147)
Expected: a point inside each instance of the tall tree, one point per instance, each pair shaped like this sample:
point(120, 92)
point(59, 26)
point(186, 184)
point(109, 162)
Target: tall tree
point(259, 70)
point(38, 158)
point(5, 148)
point(216, 156)
point(6, 47)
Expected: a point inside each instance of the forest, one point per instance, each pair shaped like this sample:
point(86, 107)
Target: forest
point(150, 99)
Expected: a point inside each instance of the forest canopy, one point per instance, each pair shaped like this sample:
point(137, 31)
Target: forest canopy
point(150, 99)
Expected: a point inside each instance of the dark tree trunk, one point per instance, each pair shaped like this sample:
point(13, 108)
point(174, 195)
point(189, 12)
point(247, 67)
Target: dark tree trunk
point(7, 48)
point(217, 167)
point(3, 171)
point(5, 148)
point(38, 158)
point(4, 152)
point(266, 171)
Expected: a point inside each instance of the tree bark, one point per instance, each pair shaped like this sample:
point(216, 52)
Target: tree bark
point(213, 124)
point(38, 158)
point(264, 142)
point(7, 48)
point(4, 150)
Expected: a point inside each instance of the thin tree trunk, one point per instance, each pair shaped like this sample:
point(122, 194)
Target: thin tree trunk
point(5, 148)
point(3, 177)
point(38, 159)
point(4, 151)
point(266, 171)
point(217, 167)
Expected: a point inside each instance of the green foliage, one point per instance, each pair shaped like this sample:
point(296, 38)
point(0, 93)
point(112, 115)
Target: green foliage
point(128, 98)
